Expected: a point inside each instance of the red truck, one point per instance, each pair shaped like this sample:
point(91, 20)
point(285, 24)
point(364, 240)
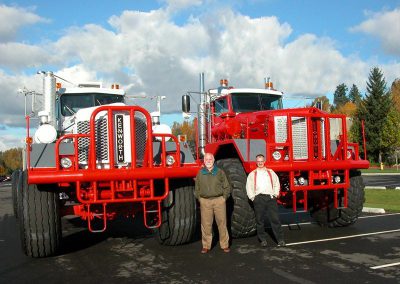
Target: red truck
point(95, 157)
point(317, 166)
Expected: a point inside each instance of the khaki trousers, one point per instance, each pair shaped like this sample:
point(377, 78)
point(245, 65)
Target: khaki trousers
point(209, 208)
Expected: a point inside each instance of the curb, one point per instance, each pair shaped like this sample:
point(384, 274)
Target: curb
point(373, 210)
point(383, 187)
point(380, 174)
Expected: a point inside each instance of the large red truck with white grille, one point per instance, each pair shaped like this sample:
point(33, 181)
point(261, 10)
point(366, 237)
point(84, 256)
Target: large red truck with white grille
point(317, 166)
point(95, 157)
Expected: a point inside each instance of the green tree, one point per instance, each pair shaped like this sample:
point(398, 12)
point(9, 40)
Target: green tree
point(354, 95)
point(339, 96)
point(375, 110)
point(349, 109)
point(390, 131)
point(10, 160)
point(395, 93)
point(186, 128)
point(356, 134)
point(324, 101)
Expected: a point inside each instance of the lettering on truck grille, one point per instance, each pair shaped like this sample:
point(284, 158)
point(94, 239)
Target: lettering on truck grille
point(119, 118)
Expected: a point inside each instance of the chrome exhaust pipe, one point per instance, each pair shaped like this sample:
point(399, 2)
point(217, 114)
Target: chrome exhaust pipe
point(202, 118)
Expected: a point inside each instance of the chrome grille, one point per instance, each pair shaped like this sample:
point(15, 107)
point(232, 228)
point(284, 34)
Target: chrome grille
point(141, 138)
point(280, 129)
point(323, 150)
point(299, 135)
point(101, 136)
point(102, 142)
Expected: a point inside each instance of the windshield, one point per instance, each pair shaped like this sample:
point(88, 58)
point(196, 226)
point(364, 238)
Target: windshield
point(71, 103)
point(247, 102)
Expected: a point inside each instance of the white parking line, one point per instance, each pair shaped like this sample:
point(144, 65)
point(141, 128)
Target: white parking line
point(362, 217)
point(385, 265)
point(380, 215)
point(345, 237)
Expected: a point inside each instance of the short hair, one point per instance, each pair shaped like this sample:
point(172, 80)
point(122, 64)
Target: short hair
point(260, 155)
point(209, 154)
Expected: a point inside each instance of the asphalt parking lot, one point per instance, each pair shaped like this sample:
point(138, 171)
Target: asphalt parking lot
point(367, 252)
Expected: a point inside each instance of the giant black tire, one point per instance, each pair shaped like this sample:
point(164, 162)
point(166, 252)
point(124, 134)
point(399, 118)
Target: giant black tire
point(241, 218)
point(14, 189)
point(332, 217)
point(40, 221)
point(179, 217)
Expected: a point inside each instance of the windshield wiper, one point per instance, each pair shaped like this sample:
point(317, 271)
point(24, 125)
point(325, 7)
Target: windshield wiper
point(69, 109)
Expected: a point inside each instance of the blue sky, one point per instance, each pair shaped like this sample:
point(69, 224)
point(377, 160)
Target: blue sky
point(322, 18)
point(159, 47)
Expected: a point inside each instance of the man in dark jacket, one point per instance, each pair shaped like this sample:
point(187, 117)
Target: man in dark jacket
point(212, 190)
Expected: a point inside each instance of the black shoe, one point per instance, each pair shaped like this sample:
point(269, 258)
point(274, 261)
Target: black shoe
point(281, 244)
point(264, 244)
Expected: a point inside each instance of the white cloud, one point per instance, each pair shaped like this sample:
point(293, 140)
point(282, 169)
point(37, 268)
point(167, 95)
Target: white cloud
point(13, 18)
point(19, 56)
point(12, 107)
point(385, 26)
point(9, 141)
point(175, 5)
point(76, 74)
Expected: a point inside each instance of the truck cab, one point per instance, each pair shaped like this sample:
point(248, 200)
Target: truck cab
point(85, 95)
point(232, 108)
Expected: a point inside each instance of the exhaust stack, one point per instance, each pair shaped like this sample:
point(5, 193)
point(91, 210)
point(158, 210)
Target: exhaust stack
point(202, 118)
point(48, 115)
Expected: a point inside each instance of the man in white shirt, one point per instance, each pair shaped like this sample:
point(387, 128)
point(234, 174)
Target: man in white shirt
point(263, 188)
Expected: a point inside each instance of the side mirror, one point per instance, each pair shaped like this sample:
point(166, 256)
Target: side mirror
point(186, 103)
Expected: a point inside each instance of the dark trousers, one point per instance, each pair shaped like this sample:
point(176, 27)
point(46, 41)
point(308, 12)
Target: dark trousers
point(265, 206)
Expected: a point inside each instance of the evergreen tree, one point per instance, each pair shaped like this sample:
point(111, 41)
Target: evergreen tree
point(354, 95)
point(375, 110)
point(339, 97)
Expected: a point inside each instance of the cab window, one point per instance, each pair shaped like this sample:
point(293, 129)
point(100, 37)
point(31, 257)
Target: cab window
point(221, 106)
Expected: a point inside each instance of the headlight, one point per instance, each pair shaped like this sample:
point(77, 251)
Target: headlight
point(66, 163)
point(276, 155)
point(348, 154)
point(170, 160)
point(301, 181)
point(337, 179)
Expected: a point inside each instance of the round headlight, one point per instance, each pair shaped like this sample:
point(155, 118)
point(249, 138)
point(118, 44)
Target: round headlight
point(349, 154)
point(337, 179)
point(301, 181)
point(66, 163)
point(276, 155)
point(170, 160)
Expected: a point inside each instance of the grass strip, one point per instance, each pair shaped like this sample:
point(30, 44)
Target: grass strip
point(387, 199)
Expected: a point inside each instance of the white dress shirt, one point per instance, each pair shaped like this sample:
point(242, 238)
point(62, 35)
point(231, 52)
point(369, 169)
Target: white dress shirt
point(266, 183)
